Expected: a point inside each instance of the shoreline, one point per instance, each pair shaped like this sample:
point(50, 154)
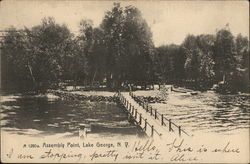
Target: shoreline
point(85, 95)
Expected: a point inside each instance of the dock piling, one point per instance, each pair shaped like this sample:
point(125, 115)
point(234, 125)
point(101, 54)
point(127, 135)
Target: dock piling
point(133, 110)
point(140, 119)
point(170, 129)
point(179, 130)
point(162, 119)
point(152, 130)
point(145, 125)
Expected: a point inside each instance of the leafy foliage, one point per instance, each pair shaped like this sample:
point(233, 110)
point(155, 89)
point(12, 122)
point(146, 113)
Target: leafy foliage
point(120, 52)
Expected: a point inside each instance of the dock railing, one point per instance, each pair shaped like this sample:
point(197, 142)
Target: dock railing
point(146, 126)
point(159, 116)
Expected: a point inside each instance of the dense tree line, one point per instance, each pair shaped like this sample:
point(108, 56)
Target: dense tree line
point(203, 60)
point(117, 53)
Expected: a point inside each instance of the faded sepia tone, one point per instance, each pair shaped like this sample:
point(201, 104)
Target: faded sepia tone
point(124, 81)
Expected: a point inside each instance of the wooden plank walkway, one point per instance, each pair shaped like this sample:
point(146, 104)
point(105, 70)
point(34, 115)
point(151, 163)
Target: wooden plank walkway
point(150, 120)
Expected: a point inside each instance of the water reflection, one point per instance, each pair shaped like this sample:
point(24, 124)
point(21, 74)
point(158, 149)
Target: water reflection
point(20, 114)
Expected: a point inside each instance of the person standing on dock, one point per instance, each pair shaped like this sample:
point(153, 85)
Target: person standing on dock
point(82, 132)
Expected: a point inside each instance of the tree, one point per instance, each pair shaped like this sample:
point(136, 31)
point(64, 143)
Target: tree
point(169, 63)
point(50, 46)
point(97, 59)
point(199, 63)
point(15, 72)
point(206, 69)
point(37, 56)
point(193, 57)
point(240, 79)
point(112, 26)
point(129, 44)
point(224, 54)
point(242, 51)
point(179, 63)
point(139, 47)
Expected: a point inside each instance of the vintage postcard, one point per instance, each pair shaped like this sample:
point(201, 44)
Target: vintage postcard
point(124, 81)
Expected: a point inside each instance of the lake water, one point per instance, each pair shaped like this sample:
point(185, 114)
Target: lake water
point(208, 112)
point(42, 116)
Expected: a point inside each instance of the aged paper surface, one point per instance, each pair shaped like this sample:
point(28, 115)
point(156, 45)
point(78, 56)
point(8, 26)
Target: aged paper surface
point(86, 119)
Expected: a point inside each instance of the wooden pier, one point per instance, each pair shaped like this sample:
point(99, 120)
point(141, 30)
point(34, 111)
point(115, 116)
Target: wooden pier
point(153, 123)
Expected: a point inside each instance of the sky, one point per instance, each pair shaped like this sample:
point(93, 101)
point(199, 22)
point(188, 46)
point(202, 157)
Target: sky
point(170, 21)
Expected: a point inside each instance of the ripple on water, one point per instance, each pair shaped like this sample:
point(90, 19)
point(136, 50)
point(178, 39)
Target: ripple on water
point(52, 117)
point(208, 112)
